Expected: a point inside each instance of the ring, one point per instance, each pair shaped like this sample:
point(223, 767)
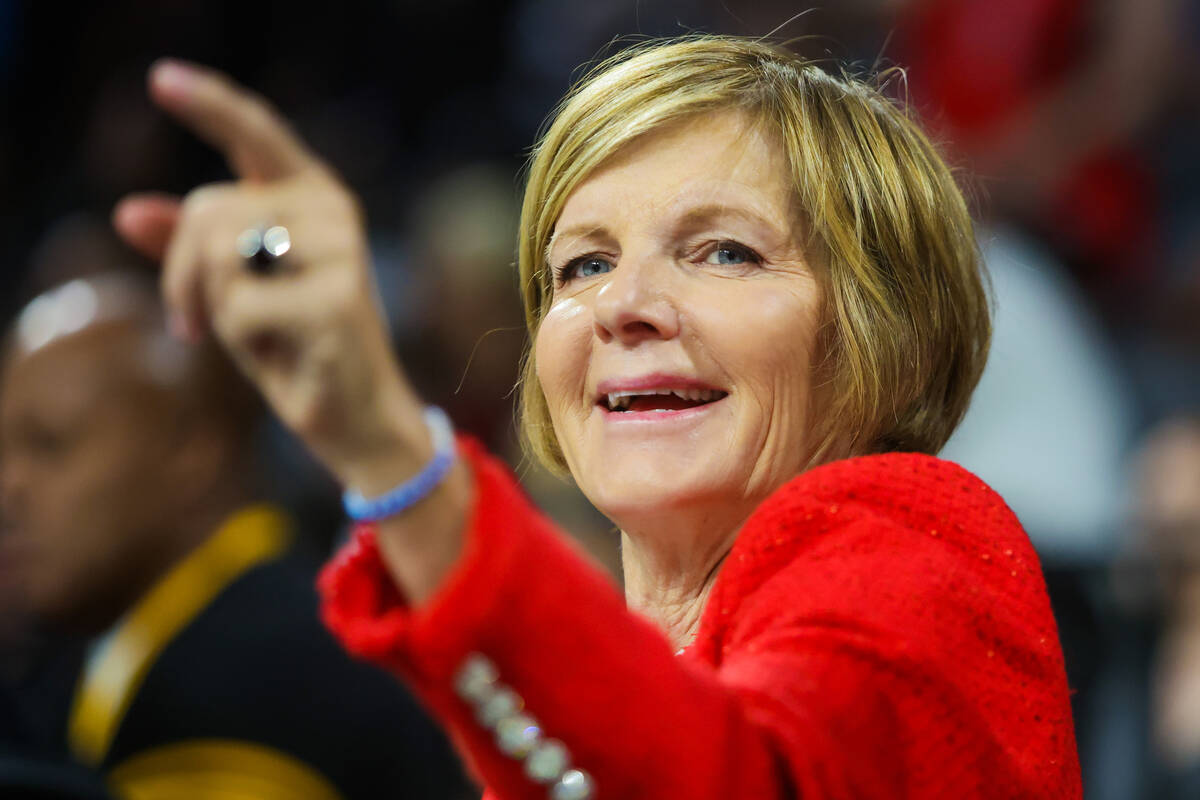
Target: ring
point(262, 247)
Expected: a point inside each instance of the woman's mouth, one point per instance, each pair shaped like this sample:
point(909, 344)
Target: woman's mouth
point(659, 400)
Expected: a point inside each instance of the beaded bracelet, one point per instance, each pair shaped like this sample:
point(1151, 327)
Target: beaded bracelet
point(416, 488)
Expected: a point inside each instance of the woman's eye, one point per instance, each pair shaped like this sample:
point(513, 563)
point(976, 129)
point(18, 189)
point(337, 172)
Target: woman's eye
point(593, 266)
point(585, 267)
point(731, 254)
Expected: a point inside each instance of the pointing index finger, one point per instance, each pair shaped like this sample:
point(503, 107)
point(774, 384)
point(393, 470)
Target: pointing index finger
point(256, 142)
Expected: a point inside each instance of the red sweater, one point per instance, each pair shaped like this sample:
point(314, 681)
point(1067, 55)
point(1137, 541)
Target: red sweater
point(880, 629)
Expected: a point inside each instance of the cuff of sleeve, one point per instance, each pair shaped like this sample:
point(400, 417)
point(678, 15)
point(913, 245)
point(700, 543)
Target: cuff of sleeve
point(362, 606)
point(360, 603)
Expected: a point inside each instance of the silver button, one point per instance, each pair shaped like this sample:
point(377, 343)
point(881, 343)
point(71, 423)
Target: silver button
point(476, 679)
point(516, 735)
point(575, 784)
point(504, 702)
point(545, 764)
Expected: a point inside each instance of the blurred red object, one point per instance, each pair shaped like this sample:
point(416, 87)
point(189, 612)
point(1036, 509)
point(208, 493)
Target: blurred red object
point(1017, 90)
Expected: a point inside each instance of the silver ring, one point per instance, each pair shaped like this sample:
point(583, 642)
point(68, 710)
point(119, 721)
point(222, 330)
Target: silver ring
point(262, 247)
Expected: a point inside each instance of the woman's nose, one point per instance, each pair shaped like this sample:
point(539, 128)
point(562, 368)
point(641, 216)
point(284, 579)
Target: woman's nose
point(636, 304)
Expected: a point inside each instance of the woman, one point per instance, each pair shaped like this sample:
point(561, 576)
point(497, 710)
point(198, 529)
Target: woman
point(742, 278)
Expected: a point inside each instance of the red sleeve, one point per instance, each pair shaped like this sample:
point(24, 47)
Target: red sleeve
point(816, 702)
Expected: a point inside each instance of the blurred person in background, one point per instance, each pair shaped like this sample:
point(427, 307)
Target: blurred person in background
point(133, 523)
point(1168, 520)
point(1045, 101)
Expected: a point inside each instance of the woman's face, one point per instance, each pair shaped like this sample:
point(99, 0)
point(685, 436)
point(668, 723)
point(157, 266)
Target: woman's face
point(677, 355)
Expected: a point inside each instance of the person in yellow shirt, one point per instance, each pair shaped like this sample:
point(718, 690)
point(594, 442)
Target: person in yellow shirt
point(132, 519)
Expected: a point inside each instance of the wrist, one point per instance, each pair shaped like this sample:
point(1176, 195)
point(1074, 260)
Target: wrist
point(420, 547)
point(393, 445)
point(416, 491)
point(388, 462)
point(412, 490)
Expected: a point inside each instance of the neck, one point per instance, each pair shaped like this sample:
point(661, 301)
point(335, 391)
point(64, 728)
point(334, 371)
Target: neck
point(162, 548)
point(205, 522)
point(670, 568)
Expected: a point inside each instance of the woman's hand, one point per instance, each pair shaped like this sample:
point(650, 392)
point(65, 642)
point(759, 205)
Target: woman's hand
point(310, 334)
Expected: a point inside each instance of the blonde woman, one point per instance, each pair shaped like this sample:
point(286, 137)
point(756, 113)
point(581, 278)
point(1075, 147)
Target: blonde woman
point(755, 313)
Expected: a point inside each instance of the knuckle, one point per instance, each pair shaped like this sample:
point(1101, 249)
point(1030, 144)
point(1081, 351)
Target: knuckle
point(342, 207)
point(219, 249)
point(206, 201)
point(327, 190)
point(258, 120)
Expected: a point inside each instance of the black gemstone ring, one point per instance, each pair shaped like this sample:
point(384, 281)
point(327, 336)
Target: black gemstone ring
point(262, 247)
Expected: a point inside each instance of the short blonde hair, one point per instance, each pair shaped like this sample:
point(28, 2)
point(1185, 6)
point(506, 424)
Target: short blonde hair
point(906, 313)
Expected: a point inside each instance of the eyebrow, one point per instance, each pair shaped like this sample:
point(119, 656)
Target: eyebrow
point(582, 231)
point(713, 211)
point(693, 217)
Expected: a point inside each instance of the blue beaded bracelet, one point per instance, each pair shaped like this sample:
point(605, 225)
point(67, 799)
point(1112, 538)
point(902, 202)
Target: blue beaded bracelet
point(416, 488)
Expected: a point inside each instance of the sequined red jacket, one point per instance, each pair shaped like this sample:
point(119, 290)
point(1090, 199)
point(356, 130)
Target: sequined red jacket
point(880, 629)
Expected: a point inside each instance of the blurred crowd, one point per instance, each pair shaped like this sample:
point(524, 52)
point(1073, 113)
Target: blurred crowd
point(126, 461)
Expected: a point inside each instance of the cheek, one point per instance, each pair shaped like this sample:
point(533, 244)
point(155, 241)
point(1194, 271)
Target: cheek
point(766, 337)
point(790, 330)
point(108, 503)
point(105, 491)
point(562, 352)
point(787, 328)
point(75, 516)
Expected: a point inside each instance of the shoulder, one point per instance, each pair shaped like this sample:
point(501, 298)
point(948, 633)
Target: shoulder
point(901, 542)
point(910, 491)
point(897, 600)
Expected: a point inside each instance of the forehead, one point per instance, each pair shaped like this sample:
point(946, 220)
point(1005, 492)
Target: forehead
point(719, 158)
point(76, 374)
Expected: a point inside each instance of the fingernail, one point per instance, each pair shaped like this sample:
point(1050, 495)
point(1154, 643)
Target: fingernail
point(173, 76)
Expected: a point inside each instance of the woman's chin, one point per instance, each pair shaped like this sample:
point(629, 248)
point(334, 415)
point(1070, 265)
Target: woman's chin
point(626, 494)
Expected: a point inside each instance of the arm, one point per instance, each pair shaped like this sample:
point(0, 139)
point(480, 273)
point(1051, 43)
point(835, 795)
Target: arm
point(813, 695)
point(560, 636)
point(310, 336)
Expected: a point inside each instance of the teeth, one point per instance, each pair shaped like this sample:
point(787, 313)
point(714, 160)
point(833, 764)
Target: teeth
point(620, 401)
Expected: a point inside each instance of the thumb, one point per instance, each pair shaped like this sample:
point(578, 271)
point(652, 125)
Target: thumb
point(146, 221)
